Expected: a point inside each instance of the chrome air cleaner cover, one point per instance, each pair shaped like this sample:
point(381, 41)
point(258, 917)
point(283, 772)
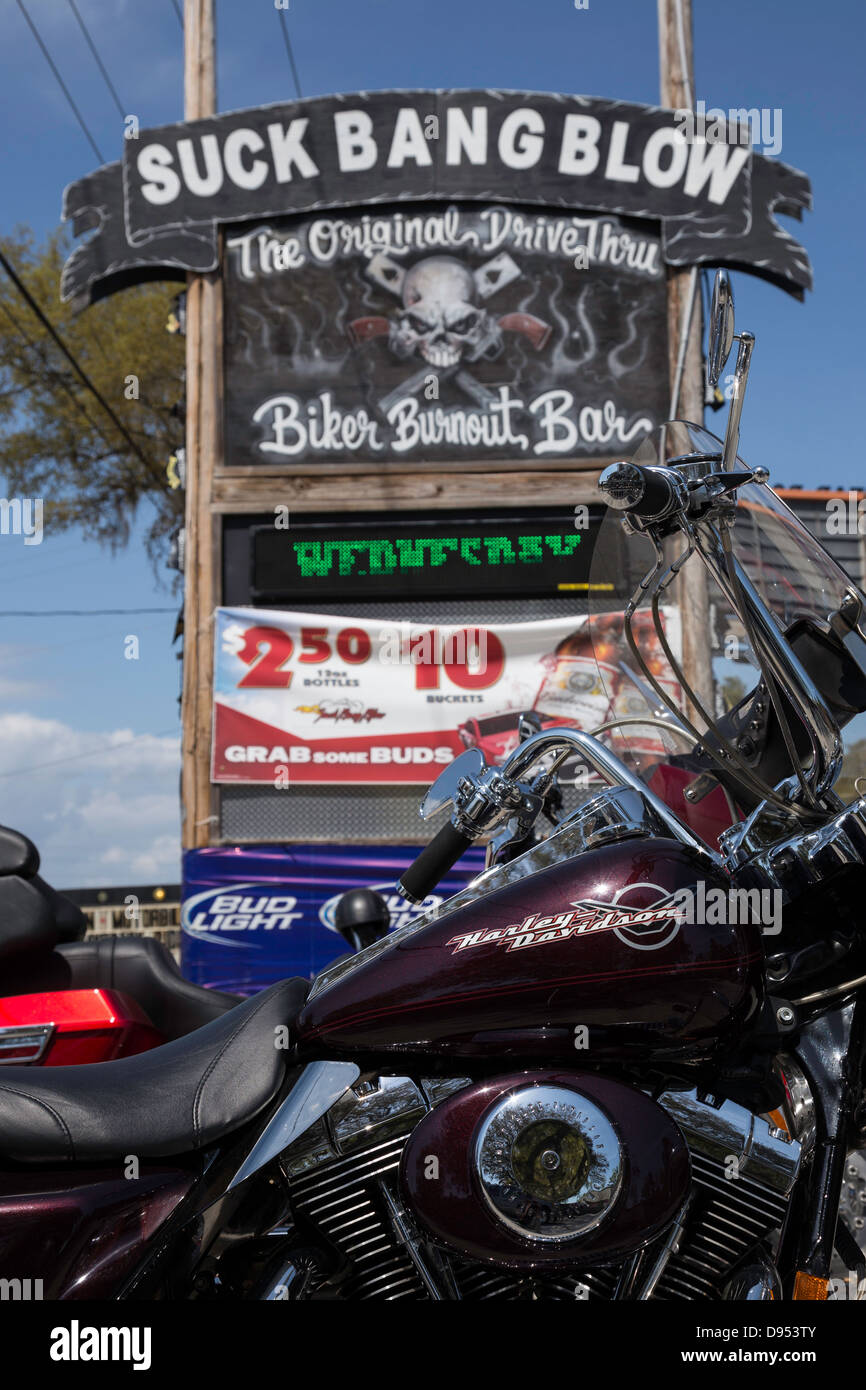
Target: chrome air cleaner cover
point(533, 1170)
point(549, 1162)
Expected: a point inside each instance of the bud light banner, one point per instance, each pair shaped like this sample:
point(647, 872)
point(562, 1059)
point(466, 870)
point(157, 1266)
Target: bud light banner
point(302, 698)
point(255, 914)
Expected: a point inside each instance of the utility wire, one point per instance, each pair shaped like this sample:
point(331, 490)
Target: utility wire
point(79, 612)
point(99, 63)
point(73, 361)
point(63, 87)
point(289, 53)
point(177, 12)
point(93, 753)
point(57, 375)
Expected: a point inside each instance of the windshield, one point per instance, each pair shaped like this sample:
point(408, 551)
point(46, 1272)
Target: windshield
point(788, 566)
point(793, 573)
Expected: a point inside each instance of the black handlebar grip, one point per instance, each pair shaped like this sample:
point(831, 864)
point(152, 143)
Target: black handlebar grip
point(657, 498)
point(433, 863)
point(648, 493)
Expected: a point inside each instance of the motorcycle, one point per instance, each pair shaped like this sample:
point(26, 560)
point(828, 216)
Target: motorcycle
point(623, 1064)
point(68, 1001)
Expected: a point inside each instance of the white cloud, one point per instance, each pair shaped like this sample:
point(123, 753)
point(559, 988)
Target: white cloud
point(103, 808)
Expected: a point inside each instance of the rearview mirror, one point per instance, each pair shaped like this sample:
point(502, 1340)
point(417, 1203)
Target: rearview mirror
point(721, 327)
point(444, 789)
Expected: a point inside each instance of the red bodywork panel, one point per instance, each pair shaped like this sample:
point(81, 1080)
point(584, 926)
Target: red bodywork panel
point(87, 1025)
point(78, 1233)
point(707, 817)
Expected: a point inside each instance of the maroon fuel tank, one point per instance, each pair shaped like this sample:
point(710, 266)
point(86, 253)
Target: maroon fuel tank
point(594, 957)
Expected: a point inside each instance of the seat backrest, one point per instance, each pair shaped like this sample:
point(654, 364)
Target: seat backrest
point(18, 855)
point(145, 970)
point(27, 920)
point(69, 920)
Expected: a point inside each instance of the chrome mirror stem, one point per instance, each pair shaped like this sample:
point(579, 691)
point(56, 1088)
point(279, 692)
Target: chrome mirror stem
point(741, 377)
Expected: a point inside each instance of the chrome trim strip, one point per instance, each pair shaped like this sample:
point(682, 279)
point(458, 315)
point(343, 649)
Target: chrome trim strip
point(669, 1248)
point(319, 1085)
point(14, 1037)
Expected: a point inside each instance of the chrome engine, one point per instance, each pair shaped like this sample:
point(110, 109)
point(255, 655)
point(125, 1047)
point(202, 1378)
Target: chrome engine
point(342, 1176)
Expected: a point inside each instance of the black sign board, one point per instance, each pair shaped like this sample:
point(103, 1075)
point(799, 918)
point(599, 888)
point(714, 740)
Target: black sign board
point(442, 335)
point(159, 209)
point(530, 556)
point(548, 553)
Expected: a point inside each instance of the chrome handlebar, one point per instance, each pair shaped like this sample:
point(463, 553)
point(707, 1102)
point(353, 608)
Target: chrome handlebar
point(502, 802)
point(604, 761)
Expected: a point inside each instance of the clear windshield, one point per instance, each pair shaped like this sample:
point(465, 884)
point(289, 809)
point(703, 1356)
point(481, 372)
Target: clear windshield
point(794, 574)
point(786, 563)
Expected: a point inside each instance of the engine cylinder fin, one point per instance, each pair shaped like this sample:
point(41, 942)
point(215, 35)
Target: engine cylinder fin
point(341, 1199)
point(732, 1211)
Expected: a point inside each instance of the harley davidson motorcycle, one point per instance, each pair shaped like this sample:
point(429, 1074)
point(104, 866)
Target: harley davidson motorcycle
point(624, 1063)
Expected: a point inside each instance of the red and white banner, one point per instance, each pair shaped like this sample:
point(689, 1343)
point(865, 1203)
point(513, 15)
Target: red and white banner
point(309, 698)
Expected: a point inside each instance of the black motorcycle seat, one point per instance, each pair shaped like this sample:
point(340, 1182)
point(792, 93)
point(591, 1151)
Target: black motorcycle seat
point(27, 925)
point(171, 1100)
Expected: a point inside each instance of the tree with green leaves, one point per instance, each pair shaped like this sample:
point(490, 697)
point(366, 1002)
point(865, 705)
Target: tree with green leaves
point(57, 441)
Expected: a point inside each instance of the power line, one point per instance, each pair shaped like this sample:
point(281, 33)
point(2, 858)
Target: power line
point(57, 375)
point(79, 757)
point(79, 612)
point(99, 63)
point(178, 13)
point(59, 378)
point(63, 87)
point(289, 53)
point(73, 361)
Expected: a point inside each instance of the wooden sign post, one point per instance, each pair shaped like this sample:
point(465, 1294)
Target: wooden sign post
point(203, 443)
point(676, 63)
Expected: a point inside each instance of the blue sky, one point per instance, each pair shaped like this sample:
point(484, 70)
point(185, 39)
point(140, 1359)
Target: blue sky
point(101, 729)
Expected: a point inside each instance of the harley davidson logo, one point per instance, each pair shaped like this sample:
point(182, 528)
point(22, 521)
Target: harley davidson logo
point(644, 928)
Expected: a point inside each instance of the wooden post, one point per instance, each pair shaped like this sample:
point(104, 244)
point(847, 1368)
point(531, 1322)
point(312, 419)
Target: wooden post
point(676, 68)
point(203, 442)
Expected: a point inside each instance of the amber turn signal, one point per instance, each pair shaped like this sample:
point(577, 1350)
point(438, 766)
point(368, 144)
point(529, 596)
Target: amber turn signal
point(809, 1286)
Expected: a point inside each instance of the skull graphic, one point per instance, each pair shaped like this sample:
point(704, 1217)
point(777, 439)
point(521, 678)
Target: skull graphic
point(440, 318)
